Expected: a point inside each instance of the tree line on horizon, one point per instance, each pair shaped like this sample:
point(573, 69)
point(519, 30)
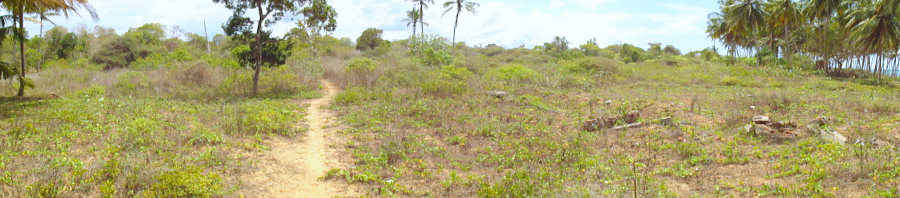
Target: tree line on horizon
point(839, 35)
point(254, 45)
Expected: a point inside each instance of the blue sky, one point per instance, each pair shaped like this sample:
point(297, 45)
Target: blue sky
point(509, 23)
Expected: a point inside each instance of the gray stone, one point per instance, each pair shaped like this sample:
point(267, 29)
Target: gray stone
point(827, 134)
point(761, 119)
point(497, 94)
point(628, 126)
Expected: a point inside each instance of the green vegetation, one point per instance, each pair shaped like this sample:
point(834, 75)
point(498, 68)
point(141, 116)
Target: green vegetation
point(424, 130)
point(145, 115)
point(126, 139)
point(370, 39)
point(838, 35)
point(157, 112)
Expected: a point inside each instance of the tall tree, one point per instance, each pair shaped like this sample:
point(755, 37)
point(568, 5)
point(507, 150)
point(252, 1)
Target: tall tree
point(459, 5)
point(820, 13)
point(876, 27)
point(422, 5)
point(745, 18)
point(319, 16)
point(19, 8)
point(44, 16)
point(412, 18)
point(268, 12)
point(784, 15)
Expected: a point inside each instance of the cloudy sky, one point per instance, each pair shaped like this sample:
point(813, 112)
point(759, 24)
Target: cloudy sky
point(509, 23)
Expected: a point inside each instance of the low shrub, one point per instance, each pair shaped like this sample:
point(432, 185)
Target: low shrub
point(446, 81)
point(190, 182)
point(350, 96)
point(361, 71)
point(132, 82)
point(514, 72)
point(589, 64)
point(434, 57)
point(361, 66)
point(735, 81)
point(266, 116)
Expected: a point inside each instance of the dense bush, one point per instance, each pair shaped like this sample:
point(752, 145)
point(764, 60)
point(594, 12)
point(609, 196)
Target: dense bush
point(116, 53)
point(370, 39)
point(671, 50)
point(267, 116)
point(589, 64)
point(514, 72)
point(630, 53)
point(435, 57)
point(361, 66)
point(361, 71)
point(274, 50)
point(418, 44)
point(191, 182)
point(590, 49)
point(61, 42)
point(446, 81)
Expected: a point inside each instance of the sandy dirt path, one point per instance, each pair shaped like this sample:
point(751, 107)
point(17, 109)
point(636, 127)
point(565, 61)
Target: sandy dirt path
point(293, 165)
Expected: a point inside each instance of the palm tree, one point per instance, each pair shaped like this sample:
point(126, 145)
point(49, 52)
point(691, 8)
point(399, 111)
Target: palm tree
point(820, 12)
point(422, 5)
point(19, 8)
point(838, 34)
point(719, 29)
point(43, 15)
point(459, 5)
point(784, 14)
point(412, 18)
point(745, 17)
point(875, 26)
point(822, 9)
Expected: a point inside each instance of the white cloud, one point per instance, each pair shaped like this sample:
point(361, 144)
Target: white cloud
point(554, 4)
point(590, 4)
point(124, 14)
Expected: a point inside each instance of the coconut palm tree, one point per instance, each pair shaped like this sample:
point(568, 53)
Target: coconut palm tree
point(19, 8)
point(412, 18)
point(459, 5)
point(745, 17)
point(820, 12)
point(876, 27)
point(44, 16)
point(838, 34)
point(784, 14)
point(719, 28)
point(422, 5)
point(822, 9)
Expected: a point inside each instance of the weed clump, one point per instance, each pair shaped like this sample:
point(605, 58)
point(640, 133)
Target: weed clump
point(446, 81)
point(514, 72)
point(190, 182)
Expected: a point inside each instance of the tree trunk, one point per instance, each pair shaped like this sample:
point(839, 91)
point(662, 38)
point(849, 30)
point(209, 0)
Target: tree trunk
point(422, 16)
point(788, 53)
point(456, 23)
point(21, 52)
point(258, 49)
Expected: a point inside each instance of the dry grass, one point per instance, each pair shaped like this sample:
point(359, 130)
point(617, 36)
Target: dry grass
point(149, 132)
point(412, 142)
